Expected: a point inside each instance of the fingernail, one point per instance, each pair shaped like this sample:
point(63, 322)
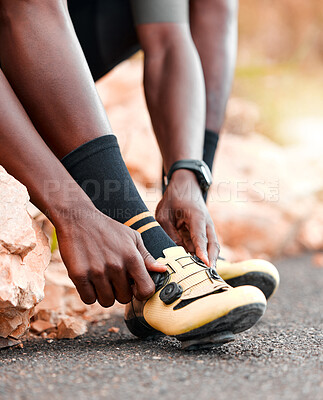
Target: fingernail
point(160, 264)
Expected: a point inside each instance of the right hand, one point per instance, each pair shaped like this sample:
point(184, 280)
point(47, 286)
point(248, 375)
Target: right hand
point(103, 256)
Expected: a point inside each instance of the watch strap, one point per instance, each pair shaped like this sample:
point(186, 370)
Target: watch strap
point(199, 167)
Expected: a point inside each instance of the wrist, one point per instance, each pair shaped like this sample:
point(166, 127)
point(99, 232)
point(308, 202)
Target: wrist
point(199, 168)
point(183, 177)
point(66, 209)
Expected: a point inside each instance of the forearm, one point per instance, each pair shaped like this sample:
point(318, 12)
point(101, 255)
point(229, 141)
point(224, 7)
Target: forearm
point(24, 155)
point(174, 88)
point(214, 31)
point(42, 59)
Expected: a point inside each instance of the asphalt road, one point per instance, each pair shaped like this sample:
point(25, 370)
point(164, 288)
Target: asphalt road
point(280, 358)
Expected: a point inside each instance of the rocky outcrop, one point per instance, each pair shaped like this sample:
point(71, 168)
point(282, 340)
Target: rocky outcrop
point(24, 256)
point(62, 314)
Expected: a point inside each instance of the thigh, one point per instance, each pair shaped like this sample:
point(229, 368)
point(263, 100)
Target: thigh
point(106, 31)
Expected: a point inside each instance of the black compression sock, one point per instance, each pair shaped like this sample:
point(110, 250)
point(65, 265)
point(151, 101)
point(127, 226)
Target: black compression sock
point(210, 144)
point(98, 167)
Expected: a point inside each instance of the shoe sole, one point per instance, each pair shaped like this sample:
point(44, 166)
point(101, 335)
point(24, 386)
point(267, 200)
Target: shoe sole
point(222, 330)
point(265, 282)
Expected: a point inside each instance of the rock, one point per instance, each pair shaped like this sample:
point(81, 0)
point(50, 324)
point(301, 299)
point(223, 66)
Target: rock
point(242, 116)
point(47, 315)
point(40, 326)
point(113, 329)
point(24, 256)
point(17, 235)
point(70, 328)
point(9, 342)
point(62, 299)
point(264, 197)
point(310, 234)
point(317, 260)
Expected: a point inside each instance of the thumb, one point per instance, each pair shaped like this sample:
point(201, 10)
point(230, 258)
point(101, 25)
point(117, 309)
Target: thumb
point(150, 263)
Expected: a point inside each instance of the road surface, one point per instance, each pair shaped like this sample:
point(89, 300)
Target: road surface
point(280, 358)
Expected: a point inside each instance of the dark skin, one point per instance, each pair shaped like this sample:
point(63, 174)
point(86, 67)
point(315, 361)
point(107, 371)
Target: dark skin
point(42, 60)
point(66, 96)
point(177, 112)
point(176, 106)
point(98, 262)
point(215, 33)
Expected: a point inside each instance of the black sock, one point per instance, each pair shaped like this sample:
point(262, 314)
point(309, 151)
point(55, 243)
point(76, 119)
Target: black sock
point(210, 144)
point(98, 167)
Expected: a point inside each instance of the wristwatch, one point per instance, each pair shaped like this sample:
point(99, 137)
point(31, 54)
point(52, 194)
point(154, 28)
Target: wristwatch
point(200, 169)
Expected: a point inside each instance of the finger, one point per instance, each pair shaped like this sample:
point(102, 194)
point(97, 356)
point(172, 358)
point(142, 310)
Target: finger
point(144, 286)
point(213, 245)
point(188, 244)
point(121, 284)
point(103, 288)
point(172, 232)
point(84, 287)
point(197, 231)
point(150, 263)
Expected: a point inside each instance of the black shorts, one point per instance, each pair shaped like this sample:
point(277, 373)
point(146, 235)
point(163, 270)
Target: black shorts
point(106, 29)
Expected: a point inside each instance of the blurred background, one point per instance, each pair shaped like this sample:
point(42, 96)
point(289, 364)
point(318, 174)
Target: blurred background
point(267, 199)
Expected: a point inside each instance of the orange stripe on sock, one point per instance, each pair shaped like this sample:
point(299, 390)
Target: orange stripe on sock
point(148, 226)
point(138, 217)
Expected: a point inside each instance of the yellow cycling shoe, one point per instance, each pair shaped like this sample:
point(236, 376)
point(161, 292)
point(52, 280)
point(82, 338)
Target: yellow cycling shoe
point(259, 273)
point(193, 304)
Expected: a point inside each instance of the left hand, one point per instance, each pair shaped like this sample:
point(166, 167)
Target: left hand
point(184, 216)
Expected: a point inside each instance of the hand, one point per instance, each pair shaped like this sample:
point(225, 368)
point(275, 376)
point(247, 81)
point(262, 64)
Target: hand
point(102, 256)
point(183, 215)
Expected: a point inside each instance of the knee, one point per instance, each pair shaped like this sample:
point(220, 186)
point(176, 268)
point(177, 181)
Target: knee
point(156, 39)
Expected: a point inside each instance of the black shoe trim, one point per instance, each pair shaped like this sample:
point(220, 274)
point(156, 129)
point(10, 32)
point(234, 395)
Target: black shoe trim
point(185, 303)
point(159, 279)
point(263, 281)
point(237, 320)
point(139, 327)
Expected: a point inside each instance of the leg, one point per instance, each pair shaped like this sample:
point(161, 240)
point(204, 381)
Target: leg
point(43, 61)
point(214, 31)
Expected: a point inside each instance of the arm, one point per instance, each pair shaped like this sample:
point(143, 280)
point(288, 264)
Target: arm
point(175, 93)
point(89, 241)
point(173, 80)
point(44, 64)
point(214, 27)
